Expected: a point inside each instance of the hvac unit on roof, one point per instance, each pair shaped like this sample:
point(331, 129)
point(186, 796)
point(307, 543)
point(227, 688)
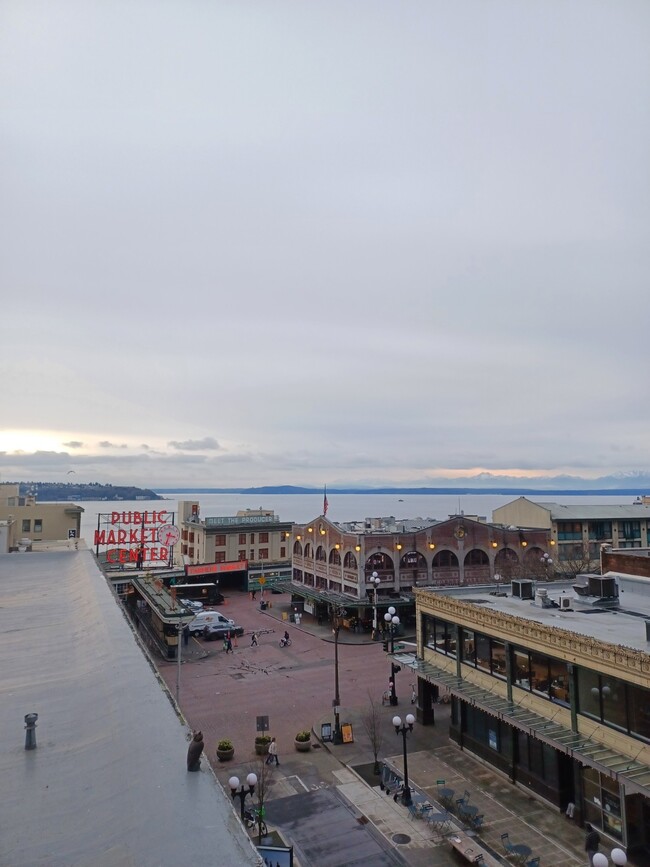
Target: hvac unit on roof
point(565, 603)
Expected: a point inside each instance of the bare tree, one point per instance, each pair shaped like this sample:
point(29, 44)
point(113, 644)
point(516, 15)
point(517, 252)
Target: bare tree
point(264, 774)
point(371, 720)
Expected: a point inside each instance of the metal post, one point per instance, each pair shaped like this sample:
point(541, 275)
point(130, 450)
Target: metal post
point(403, 730)
point(178, 655)
point(241, 793)
point(337, 697)
point(30, 731)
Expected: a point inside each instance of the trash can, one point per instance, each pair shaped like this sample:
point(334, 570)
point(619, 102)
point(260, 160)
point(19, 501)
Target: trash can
point(292, 618)
point(262, 606)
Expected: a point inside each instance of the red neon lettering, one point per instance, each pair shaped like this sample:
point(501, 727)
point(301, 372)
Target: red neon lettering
point(121, 537)
point(100, 537)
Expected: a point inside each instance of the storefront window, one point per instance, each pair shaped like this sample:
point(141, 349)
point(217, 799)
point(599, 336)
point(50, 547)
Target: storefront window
point(602, 802)
point(521, 668)
point(639, 711)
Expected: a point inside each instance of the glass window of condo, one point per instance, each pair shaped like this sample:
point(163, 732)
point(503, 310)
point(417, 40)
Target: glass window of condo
point(629, 530)
point(27, 525)
point(569, 531)
point(541, 674)
point(38, 525)
point(439, 635)
point(614, 702)
point(601, 530)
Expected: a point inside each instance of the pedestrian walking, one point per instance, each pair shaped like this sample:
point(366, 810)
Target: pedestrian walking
point(254, 642)
point(227, 643)
point(253, 594)
point(273, 753)
point(592, 842)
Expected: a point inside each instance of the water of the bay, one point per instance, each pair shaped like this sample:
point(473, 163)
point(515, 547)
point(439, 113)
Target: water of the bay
point(300, 508)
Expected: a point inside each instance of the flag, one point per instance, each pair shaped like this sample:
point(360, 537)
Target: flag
point(325, 503)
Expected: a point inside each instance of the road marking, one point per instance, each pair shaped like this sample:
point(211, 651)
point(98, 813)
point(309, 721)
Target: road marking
point(295, 776)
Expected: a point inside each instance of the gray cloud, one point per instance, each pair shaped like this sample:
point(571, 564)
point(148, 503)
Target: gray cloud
point(207, 443)
point(106, 444)
point(73, 444)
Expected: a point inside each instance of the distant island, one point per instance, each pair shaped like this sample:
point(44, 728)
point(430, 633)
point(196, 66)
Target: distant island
point(454, 491)
point(51, 492)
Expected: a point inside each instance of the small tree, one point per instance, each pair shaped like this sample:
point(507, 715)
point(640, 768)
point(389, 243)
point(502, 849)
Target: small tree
point(264, 775)
point(371, 720)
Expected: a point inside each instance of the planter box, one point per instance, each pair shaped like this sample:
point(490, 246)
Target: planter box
point(225, 755)
point(303, 746)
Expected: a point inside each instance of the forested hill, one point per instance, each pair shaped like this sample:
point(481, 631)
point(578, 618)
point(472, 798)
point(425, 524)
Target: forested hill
point(49, 492)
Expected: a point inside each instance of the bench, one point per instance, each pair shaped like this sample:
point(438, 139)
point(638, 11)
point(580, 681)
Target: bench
point(471, 850)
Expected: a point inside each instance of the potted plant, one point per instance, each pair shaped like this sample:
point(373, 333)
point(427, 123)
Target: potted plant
point(303, 741)
point(225, 750)
point(262, 745)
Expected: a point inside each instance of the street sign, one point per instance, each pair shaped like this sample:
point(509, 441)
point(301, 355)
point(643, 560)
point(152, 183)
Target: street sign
point(72, 534)
point(262, 723)
point(262, 580)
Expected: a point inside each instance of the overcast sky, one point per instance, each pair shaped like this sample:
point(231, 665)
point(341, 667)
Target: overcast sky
point(323, 242)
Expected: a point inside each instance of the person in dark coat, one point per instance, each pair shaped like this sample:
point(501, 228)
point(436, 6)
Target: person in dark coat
point(592, 842)
point(194, 752)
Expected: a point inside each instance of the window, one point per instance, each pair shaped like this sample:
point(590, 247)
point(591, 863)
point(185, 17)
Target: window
point(569, 530)
point(285, 536)
point(242, 538)
point(252, 538)
point(264, 539)
point(191, 535)
point(264, 554)
point(283, 552)
point(439, 635)
point(220, 541)
point(467, 648)
point(27, 525)
point(241, 555)
point(629, 529)
point(542, 675)
point(600, 529)
point(350, 561)
point(38, 525)
point(219, 556)
point(252, 556)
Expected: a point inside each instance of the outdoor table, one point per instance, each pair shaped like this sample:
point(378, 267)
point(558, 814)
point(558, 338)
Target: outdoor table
point(468, 811)
point(520, 852)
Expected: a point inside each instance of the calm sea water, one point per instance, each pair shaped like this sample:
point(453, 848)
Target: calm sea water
point(300, 508)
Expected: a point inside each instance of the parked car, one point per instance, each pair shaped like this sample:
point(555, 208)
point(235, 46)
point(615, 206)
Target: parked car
point(206, 618)
point(215, 631)
point(193, 604)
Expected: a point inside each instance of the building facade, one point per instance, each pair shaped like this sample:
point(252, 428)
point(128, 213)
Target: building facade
point(578, 531)
point(536, 694)
point(337, 560)
point(28, 521)
point(256, 538)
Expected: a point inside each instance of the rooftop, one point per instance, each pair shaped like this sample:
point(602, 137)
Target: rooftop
point(107, 783)
point(624, 625)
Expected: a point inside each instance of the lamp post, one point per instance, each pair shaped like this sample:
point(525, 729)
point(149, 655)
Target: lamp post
point(337, 613)
point(403, 730)
point(241, 793)
point(392, 622)
point(375, 580)
point(619, 858)
point(547, 565)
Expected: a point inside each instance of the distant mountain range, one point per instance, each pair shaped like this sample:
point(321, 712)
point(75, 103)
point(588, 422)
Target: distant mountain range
point(49, 492)
point(622, 484)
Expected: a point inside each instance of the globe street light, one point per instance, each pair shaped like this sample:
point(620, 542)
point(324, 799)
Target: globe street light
point(375, 580)
point(392, 622)
point(403, 730)
point(619, 858)
point(241, 793)
point(547, 564)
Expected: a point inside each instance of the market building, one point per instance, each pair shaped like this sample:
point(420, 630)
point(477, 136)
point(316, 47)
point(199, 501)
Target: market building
point(336, 562)
point(550, 684)
point(579, 530)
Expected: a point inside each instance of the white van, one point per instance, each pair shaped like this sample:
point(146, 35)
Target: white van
point(209, 618)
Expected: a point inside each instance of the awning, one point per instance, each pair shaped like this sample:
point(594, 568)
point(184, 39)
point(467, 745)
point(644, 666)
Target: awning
point(633, 775)
point(328, 597)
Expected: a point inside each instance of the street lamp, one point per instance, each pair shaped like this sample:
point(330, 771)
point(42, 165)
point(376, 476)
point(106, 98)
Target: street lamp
point(241, 793)
point(392, 622)
point(375, 580)
point(337, 613)
point(547, 564)
point(403, 730)
point(619, 858)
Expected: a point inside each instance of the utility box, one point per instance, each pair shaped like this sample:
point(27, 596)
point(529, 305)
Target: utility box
point(523, 588)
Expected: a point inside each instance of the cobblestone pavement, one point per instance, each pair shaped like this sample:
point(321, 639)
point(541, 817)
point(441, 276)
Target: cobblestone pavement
point(223, 694)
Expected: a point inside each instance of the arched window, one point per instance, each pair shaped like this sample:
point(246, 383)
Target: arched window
point(320, 554)
point(379, 561)
point(308, 550)
point(445, 560)
point(297, 549)
point(350, 561)
point(412, 560)
point(476, 557)
point(335, 557)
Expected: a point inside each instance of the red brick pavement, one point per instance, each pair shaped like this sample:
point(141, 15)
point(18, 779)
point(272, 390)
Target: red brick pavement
point(222, 694)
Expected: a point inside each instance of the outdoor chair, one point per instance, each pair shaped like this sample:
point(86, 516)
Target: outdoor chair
point(476, 823)
point(414, 813)
point(534, 862)
point(507, 845)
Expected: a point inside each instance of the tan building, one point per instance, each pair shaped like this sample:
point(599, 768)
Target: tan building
point(28, 521)
point(256, 538)
point(578, 531)
point(550, 684)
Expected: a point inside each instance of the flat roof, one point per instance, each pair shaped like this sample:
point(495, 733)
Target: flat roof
point(624, 625)
point(107, 784)
point(579, 512)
